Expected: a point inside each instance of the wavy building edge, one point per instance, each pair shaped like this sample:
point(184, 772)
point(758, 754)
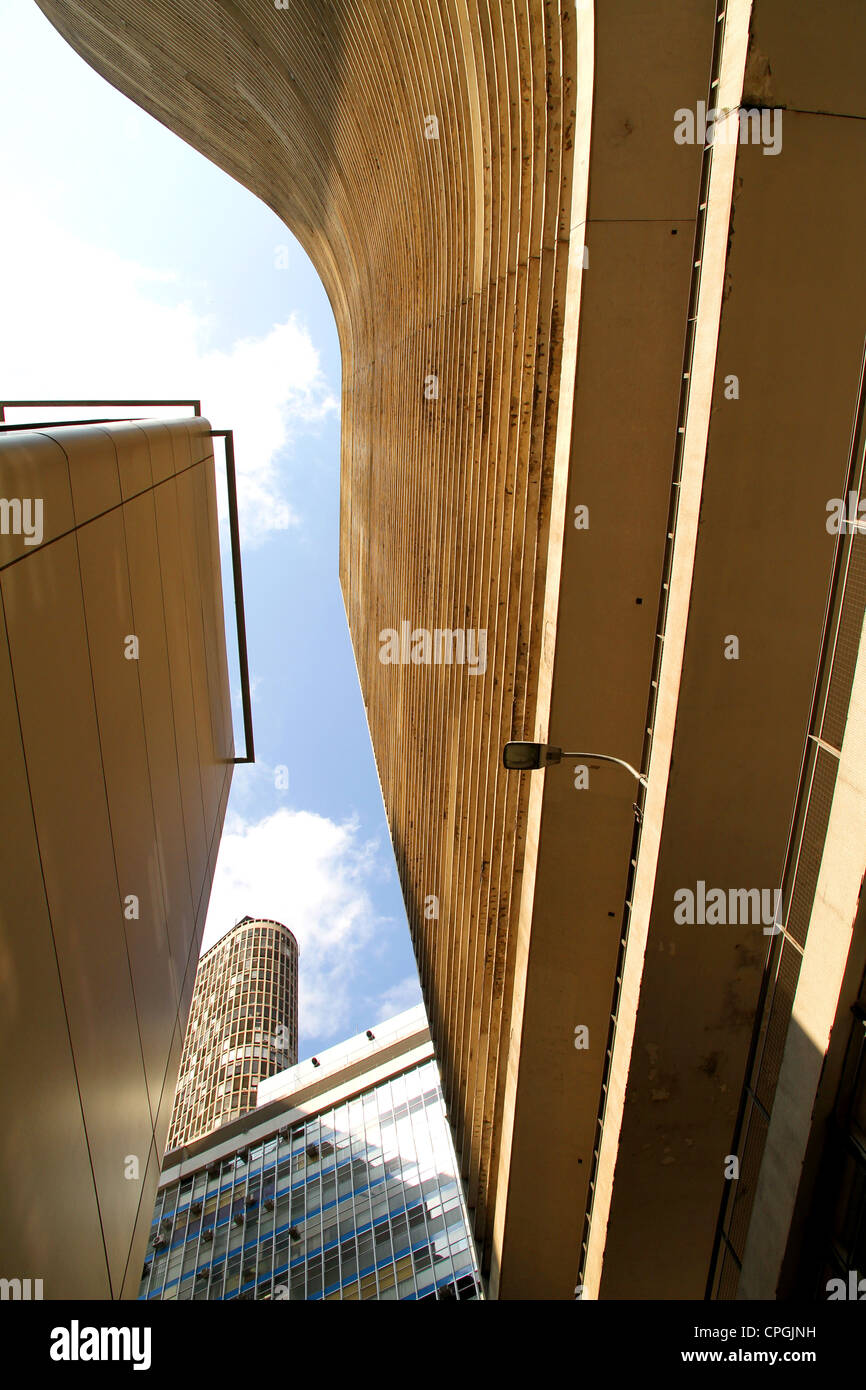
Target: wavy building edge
point(470, 180)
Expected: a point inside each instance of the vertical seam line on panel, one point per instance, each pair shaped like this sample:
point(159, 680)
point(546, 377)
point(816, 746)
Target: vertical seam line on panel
point(54, 941)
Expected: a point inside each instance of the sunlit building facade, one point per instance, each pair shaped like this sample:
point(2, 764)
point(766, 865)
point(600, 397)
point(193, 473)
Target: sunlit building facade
point(243, 1026)
point(603, 409)
point(117, 750)
point(342, 1185)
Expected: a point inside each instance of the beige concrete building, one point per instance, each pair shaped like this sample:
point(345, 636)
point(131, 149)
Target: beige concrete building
point(116, 734)
point(243, 1026)
point(600, 374)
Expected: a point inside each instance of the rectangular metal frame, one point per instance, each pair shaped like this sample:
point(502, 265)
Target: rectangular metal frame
point(234, 528)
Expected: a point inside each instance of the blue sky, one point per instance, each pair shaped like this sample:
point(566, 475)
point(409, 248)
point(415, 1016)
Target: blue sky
point(133, 266)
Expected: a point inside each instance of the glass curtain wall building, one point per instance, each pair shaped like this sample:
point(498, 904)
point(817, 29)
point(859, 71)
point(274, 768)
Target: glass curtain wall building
point(359, 1199)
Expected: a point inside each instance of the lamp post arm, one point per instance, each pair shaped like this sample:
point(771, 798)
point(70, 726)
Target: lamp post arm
point(606, 758)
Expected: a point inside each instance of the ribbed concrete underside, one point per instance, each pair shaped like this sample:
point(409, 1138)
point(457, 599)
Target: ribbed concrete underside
point(444, 253)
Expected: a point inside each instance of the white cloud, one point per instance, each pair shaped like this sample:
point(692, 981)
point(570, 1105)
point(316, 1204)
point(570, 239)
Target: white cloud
point(400, 997)
point(311, 874)
point(81, 321)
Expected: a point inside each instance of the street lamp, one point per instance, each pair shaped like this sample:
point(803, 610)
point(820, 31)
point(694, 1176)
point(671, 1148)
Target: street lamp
point(528, 757)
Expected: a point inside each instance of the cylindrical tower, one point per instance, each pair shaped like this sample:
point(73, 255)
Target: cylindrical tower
point(243, 1026)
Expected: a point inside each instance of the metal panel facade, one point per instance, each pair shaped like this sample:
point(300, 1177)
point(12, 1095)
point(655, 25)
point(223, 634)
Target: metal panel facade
point(117, 738)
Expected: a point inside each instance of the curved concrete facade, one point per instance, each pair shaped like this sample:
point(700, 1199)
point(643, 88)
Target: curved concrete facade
point(444, 164)
point(424, 157)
